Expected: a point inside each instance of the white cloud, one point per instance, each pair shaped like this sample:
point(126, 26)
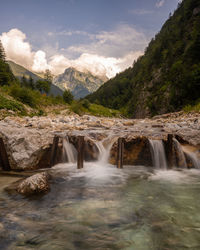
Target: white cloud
point(16, 48)
point(19, 50)
point(107, 53)
point(40, 62)
point(160, 3)
point(97, 65)
point(71, 33)
point(140, 12)
point(115, 43)
point(58, 63)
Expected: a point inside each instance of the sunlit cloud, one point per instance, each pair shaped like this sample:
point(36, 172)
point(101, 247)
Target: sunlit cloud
point(107, 53)
point(40, 62)
point(17, 48)
point(160, 3)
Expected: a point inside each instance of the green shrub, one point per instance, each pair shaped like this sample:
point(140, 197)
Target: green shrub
point(189, 108)
point(8, 104)
point(68, 97)
point(43, 86)
point(85, 103)
point(77, 108)
point(100, 110)
point(24, 95)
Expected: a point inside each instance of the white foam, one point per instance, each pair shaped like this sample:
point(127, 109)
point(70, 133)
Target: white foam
point(94, 172)
point(174, 176)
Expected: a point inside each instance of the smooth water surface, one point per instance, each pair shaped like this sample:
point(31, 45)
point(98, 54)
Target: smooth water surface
point(101, 207)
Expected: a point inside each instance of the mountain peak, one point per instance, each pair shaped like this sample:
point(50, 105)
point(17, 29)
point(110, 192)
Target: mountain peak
point(79, 83)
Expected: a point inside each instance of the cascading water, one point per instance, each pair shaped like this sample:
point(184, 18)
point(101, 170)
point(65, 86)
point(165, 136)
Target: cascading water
point(69, 153)
point(181, 156)
point(101, 172)
point(158, 154)
point(195, 161)
point(104, 151)
point(193, 157)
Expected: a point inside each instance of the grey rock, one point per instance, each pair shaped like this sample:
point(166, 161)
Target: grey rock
point(38, 183)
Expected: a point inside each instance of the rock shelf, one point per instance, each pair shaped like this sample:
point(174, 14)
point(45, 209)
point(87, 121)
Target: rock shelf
point(29, 141)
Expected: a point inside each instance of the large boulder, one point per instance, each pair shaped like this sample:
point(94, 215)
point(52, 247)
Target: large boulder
point(136, 151)
point(38, 183)
point(27, 148)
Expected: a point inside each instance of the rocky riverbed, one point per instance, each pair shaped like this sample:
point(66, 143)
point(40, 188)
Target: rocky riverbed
point(100, 206)
point(29, 141)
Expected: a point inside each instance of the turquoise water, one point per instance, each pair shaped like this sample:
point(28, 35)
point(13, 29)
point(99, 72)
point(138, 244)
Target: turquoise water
point(101, 207)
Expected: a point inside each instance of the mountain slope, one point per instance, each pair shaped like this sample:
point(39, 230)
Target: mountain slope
point(19, 71)
point(79, 83)
point(167, 77)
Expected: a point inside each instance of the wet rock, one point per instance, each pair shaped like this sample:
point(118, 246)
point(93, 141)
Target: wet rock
point(1, 228)
point(25, 146)
point(136, 152)
point(38, 183)
point(29, 140)
point(90, 149)
point(129, 123)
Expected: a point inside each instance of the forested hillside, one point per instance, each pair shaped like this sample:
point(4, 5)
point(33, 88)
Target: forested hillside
point(167, 77)
point(17, 90)
point(6, 75)
point(20, 72)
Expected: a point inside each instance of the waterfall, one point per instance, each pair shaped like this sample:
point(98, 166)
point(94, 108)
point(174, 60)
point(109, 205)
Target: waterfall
point(69, 153)
point(195, 161)
point(181, 156)
point(193, 157)
point(104, 151)
point(158, 154)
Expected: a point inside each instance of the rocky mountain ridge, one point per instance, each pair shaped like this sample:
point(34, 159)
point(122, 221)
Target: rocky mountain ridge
point(79, 83)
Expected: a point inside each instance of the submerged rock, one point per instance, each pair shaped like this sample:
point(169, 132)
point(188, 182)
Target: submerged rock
point(38, 183)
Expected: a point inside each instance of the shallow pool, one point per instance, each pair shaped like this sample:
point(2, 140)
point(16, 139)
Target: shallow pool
point(101, 207)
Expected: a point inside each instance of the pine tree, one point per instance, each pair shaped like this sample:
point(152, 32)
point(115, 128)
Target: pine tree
point(6, 75)
point(24, 82)
point(48, 76)
point(31, 83)
point(2, 53)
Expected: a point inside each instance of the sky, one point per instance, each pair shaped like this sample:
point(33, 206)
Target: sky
point(100, 36)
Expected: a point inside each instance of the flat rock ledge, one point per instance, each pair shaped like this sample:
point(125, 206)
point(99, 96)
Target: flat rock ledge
point(35, 184)
point(29, 141)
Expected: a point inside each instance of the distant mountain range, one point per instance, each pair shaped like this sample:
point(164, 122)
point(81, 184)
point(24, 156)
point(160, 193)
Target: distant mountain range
point(79, 83)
